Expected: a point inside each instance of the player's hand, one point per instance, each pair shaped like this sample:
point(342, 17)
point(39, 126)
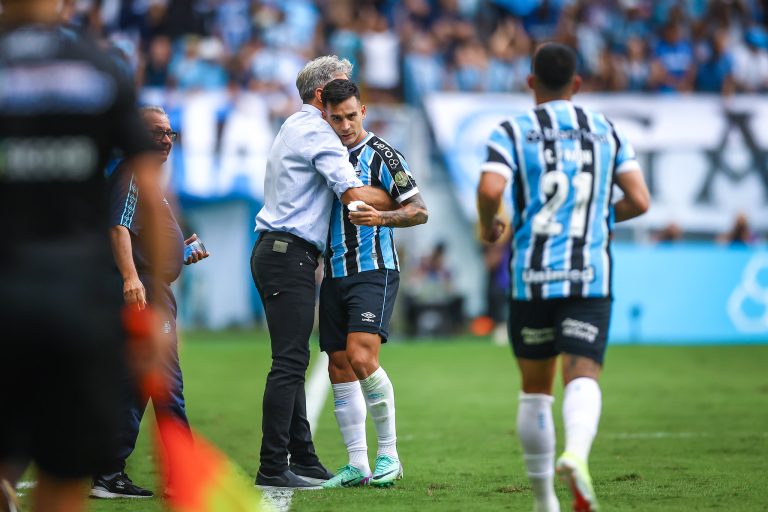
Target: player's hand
point(134, 292)
point(494, 232)
point(196, 255)
point(366, 215)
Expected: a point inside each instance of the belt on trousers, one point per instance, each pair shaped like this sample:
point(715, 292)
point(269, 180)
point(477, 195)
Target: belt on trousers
point(290, 238)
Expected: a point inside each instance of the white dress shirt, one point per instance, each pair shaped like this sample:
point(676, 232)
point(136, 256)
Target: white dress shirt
point(307, 165)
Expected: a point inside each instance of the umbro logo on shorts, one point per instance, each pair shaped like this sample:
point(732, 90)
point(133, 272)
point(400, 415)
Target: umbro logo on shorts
point(368, 316)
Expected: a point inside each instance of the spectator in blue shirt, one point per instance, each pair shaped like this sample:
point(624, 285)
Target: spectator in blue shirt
point(673, 68)
point(715, 74)
point(423, 68)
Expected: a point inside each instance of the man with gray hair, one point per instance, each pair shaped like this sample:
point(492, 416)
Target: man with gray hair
point(307, 165)
point(128, 236)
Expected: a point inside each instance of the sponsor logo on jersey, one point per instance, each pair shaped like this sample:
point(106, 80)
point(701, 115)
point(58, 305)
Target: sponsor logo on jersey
point(387, 153)
point(56, 88)
point(548, 275)
point(554, 134)
point(36, 159)
point(368, 317)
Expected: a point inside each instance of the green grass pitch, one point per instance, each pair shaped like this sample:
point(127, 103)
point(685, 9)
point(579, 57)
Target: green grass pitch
point(682, 429)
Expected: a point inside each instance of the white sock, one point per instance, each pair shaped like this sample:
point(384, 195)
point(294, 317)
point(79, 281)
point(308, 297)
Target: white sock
point(380, 397)
point(537, 436)
point(349, 408)
point(581, 414)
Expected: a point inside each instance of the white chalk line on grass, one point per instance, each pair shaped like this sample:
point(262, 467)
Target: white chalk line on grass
point(678, 435)
point(317, 387)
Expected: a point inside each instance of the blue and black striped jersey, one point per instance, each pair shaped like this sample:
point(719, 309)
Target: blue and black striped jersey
point(353, 249)
point(561, 160)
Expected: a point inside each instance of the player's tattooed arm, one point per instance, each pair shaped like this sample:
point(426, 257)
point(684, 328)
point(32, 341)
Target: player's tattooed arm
point(412, 213)
point(376, 197)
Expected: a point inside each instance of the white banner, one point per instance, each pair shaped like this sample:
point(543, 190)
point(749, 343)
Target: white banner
point(224, 144)
point(705, 157)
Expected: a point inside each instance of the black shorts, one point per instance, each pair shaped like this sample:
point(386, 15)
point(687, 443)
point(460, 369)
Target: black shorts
point(62, 365)
point(540, 329)
point(359, 303)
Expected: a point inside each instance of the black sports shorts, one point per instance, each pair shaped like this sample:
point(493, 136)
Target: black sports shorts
point(62, 360)
point(540, 329)
point(359, 303)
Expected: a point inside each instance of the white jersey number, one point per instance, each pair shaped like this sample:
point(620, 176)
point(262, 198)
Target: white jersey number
point(558, 185)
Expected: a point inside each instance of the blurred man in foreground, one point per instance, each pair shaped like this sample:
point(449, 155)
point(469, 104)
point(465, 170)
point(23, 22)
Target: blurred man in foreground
point(562, 162)
point(63, 108)
point(357, 297)
point(128, 221)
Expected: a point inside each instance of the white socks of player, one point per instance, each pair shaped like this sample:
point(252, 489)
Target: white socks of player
point(537, 436)
point(349, 408)
point(380, 397)
point(581, 414)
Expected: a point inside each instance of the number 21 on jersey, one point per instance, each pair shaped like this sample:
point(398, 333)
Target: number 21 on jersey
point(557, 186)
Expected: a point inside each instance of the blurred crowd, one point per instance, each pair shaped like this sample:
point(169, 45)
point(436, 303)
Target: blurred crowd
point(404, 49)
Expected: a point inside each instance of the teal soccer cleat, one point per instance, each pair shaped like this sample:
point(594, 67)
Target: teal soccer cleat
point(348, 476)
point(386, 470)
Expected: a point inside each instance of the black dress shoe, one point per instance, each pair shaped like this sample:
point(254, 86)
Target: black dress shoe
point(285, 480)
point(317, 473)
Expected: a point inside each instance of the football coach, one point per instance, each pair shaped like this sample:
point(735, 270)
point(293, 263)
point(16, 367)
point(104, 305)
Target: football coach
point(307, 165)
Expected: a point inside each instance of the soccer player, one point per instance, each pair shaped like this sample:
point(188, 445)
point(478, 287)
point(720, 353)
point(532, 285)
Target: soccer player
point(562, 161)
point(128, 220)
point(358, 292)
point(64, 106)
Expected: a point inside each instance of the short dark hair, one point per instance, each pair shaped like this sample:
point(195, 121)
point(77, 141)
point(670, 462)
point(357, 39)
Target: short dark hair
point(339, 90)
point(554, 65)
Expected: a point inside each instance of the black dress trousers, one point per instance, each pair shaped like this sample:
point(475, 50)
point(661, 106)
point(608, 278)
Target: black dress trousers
point(283, 268)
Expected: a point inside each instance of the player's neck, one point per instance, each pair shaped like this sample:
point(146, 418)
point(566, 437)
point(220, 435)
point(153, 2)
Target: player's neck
point(360, 139)
point(546, 98)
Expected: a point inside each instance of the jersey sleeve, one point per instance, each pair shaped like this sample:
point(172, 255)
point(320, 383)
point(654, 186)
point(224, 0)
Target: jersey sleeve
point(123, 199)
point(626, 158)
point(500, 148)
point(394, 173)
point(331, 159)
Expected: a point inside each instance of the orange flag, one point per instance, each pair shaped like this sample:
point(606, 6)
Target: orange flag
point(197, 477)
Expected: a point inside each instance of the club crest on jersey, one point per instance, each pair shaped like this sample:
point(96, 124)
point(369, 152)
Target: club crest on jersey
point(401, 179)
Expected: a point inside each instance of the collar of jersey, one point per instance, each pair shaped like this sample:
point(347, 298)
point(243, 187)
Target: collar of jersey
point(362, 142)
point(552, 102)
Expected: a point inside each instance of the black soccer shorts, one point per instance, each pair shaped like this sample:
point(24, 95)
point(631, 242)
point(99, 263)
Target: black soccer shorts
point(540, 329)
point(359, 303)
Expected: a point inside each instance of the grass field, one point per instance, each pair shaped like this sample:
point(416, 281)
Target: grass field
point(683, 428)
